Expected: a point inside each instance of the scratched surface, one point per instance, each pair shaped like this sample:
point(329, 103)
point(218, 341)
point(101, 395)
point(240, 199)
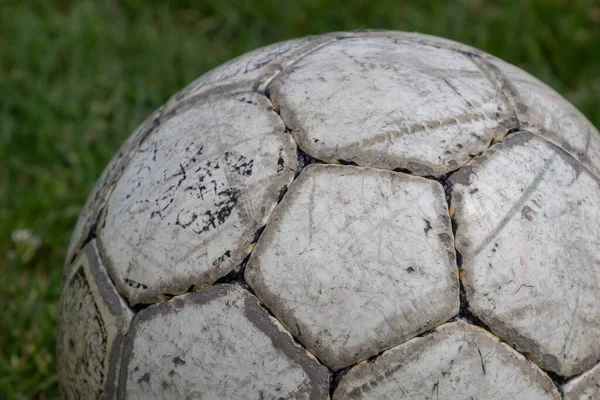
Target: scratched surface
point(251, 70)
point(216, 344)
point(188, 206)
point(528, 231)
point(545, 112)
point(391, 103)
point(429, 40)
point(352, 260)
point(357, 260)
point(86, 223)
point(584, 387)
point(455, 361)
point(93, 320)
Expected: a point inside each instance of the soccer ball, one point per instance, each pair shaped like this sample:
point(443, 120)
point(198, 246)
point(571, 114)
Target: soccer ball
point(364, 215)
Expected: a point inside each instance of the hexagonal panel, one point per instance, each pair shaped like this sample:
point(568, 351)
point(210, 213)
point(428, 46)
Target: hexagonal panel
point(93, 321)
point(250, 70)
point(103, 187)
point(189, 204)
point(528, 230)
point(584, 387)
point(391, 103)
point(217, 343)
point(357, 260)
point(455, 361)
point(544, 111)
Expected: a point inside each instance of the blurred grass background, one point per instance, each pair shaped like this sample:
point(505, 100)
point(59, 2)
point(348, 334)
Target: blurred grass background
point(76, 77)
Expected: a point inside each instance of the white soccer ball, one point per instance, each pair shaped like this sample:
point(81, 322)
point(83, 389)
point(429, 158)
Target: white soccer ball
point(365, 215)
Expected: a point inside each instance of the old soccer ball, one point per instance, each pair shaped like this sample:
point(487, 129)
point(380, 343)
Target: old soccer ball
point(365, 215)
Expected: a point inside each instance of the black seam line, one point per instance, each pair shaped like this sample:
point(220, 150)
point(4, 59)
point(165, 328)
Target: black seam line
point(191, 101)
point(264, 86)
point(464, 311)
point(492, 76)
point(219, 93)
point(496, 83)
point(535, 131)
point(501, 79)
point(94, 230)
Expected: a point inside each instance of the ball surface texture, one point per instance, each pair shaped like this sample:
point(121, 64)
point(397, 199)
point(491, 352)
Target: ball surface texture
point(356, 215)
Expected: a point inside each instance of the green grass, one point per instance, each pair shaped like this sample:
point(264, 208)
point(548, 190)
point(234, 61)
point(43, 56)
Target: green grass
point(76, 77)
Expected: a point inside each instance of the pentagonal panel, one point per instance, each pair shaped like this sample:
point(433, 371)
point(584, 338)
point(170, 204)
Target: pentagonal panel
point(188, 205)
point(101, 190)
point(391, 103)
point(93, 321)
point(357, 260)
point(251, 70)
point(584, 387)
point(217, 343)
point(528, 230)
point(456, 361)
point(544, 111)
